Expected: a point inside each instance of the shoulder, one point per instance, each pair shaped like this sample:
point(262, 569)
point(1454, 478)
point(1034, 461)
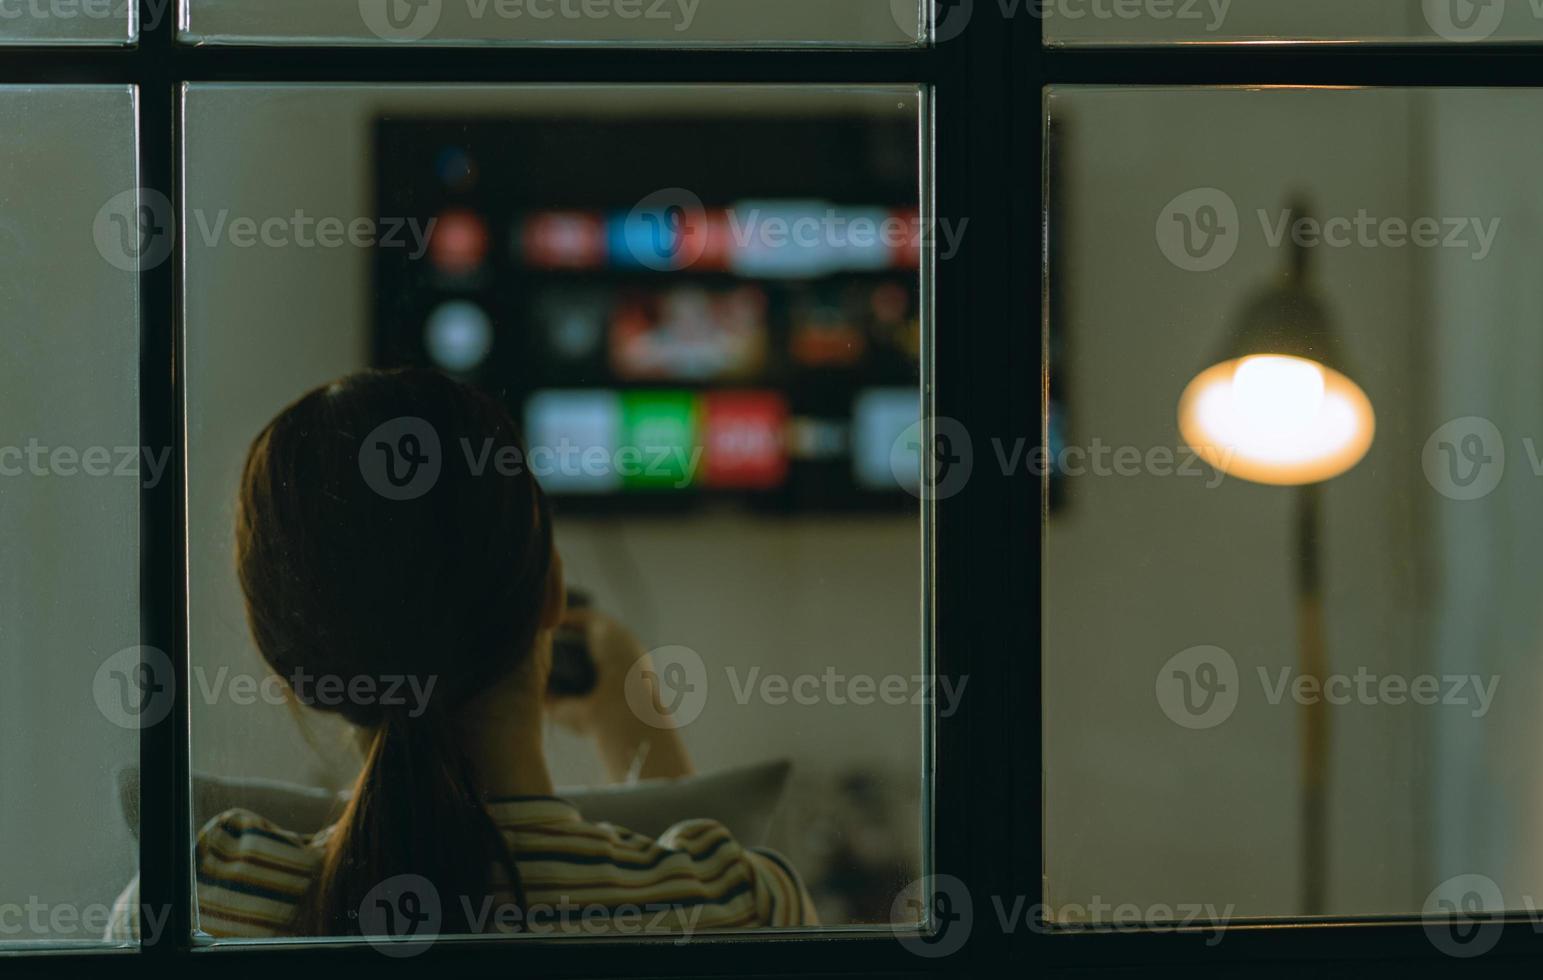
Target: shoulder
point(251, 873)
point(566, 837)
point(696, 875)
point(766, 879)
point(238, 838)
point(698, 836)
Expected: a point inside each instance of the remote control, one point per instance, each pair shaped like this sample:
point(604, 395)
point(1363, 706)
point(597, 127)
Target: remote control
point(573, 669)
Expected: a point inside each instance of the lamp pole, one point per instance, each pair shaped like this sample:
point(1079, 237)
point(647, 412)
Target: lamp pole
point(1282, 360)
point(1312, 657)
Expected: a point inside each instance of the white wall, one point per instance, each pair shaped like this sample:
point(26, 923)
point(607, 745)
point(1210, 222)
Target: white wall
point(1489, 345)
point(69, 559)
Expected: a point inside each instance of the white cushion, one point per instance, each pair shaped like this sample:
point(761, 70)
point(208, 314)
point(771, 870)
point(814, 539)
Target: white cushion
point(743, 799)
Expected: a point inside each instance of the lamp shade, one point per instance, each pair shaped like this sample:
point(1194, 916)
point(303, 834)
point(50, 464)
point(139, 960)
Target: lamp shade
point(1277, 405)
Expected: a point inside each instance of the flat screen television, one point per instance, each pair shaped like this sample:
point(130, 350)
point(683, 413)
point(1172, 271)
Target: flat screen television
point(679, 311)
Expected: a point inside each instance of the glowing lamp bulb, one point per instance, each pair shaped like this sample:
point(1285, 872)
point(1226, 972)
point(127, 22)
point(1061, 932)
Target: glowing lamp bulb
point(1277, 419)
point(1276, 397)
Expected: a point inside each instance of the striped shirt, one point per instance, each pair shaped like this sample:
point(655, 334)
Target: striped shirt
point(580, 878)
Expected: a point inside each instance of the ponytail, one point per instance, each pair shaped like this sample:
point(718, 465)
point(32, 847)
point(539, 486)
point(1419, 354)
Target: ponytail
point(415, 810)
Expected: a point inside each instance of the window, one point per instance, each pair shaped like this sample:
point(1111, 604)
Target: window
point(69, 22)
point(803, 590)
point(718, 427)
point(1324, 589)
point(71, 469)
point(1036, 707)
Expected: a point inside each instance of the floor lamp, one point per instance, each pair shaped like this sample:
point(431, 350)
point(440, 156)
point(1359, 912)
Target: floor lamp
point(1278, 407)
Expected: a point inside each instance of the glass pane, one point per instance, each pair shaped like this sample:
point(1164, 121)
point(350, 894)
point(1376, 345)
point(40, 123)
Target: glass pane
point(1203, 21)
point(1292, 553)
point(703, 307)
point(71, 468)
point(659, 23)
point(70, 21)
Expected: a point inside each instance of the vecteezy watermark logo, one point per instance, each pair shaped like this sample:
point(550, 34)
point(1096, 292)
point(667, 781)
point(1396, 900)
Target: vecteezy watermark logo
point(933, 916)
point(1102, 460)
point(566, 917)
point(410, 691)
point(1465, 20)
point(1465, 459)
point(1365, 230)
point(135, 688)
point(70, 10)
point(401, 916)
point(300, 230)
point(401, 20)
point(413, 20)
point(36, 919)
point(950, 17)
point(1198, 688)
point(835, 232)
point(944, 910)
point(35, 459)
point(840, 690)
point(945, 454)
point(667, 230)
point(401, 459)
point(1364, 687)
point(667, 688)
point(1461, 915)
point(136, 229)
point(674, 463)
point(1199, 230)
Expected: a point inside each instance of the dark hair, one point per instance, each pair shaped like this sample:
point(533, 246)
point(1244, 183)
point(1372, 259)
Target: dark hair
point(346, 576)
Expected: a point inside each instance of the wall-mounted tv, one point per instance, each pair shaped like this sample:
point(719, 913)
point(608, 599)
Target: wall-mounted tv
point(678, 311)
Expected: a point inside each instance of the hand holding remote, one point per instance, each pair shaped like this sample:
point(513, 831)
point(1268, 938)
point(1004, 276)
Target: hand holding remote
point(628, 746)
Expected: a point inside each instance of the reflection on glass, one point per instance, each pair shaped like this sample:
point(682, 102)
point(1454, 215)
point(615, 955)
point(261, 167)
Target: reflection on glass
point(649, 354)
point(71, 468)
point(657, 23)
point(1291, 590)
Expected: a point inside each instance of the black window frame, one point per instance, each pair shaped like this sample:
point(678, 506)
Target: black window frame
point(986, 87)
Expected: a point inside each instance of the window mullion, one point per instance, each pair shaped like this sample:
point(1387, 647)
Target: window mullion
point(164, 858)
